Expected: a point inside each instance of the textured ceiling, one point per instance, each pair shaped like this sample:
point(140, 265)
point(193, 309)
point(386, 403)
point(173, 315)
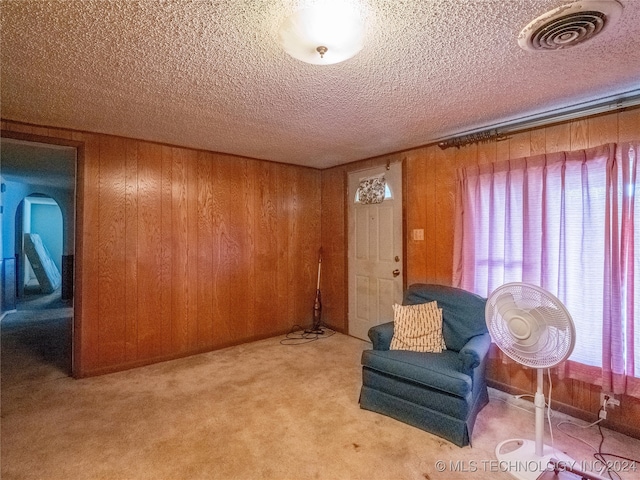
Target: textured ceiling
point(210, 74)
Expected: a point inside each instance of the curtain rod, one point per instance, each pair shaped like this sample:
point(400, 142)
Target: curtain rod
point(584, 109)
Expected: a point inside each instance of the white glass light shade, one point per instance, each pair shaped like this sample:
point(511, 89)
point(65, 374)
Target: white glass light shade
point(336, 27)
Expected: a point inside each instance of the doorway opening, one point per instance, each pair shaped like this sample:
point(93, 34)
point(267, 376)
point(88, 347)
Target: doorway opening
point(37, 246)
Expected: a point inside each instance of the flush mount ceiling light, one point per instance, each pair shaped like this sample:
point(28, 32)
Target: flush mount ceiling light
point(323, 34)
point(569, 25)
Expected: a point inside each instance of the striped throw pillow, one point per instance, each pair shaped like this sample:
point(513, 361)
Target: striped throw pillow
point(418, 328)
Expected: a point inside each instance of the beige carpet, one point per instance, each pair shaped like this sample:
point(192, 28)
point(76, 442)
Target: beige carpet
point(256, 411)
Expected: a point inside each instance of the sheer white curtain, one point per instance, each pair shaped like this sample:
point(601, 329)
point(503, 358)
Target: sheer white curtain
point(621, 333)
point(564, 222)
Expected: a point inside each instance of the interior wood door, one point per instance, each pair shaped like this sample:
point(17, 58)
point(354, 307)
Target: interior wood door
point(375, 252)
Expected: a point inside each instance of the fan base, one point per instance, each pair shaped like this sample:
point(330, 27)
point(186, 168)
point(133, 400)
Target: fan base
point(518, 458)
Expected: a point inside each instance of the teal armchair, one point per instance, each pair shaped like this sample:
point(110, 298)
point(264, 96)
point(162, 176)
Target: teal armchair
point(440, 393)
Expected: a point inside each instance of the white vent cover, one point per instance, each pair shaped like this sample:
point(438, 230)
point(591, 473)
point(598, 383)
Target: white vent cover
point(569, 25)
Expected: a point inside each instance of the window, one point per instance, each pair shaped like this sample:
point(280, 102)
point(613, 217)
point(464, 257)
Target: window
point(564, 222)
point(373, 189)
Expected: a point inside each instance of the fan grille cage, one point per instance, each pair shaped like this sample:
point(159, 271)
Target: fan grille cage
point(554, 331)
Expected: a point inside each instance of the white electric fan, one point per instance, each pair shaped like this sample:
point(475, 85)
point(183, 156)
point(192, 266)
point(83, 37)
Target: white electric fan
point(533, 327)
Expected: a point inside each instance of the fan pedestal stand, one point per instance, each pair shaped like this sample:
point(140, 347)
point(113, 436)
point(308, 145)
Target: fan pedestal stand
point(526, 459)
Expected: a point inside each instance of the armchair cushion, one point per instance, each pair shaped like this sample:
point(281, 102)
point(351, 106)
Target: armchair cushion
point(434, 370)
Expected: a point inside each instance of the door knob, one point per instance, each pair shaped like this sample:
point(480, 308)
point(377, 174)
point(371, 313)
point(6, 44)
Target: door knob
point(396, 272)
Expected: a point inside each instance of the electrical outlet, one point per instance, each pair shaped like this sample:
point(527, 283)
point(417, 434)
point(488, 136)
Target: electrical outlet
point(611, 400)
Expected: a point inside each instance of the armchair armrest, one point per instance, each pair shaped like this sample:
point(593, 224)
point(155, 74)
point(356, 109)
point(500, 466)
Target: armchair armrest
point(474, 352)
point(381, 336)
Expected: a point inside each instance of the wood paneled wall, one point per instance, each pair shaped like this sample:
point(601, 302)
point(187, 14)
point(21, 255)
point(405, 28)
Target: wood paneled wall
point(182, 251)
point(429, 190)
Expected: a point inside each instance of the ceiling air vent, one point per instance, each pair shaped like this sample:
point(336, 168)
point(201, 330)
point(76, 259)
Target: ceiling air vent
point(569, 25)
